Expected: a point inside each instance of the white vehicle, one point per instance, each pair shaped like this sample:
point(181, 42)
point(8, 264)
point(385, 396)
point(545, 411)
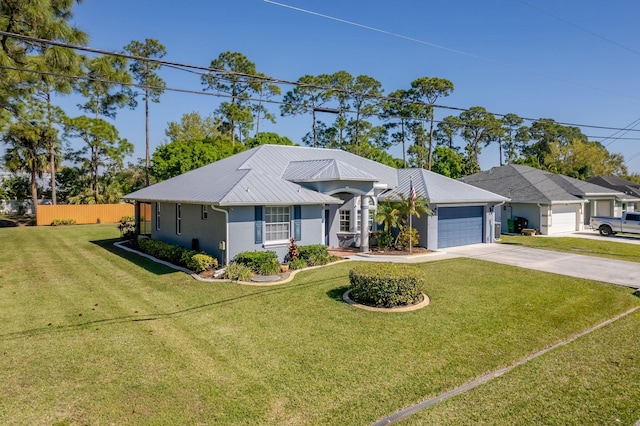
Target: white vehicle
point(629, 223)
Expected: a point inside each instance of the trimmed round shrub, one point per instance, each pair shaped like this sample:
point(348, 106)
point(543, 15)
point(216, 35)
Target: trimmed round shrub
point(386, 285)
point(238, 272)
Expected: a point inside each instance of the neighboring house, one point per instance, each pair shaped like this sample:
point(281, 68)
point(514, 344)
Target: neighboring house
point(258, 199)
point(550, 202)
point(628, 187)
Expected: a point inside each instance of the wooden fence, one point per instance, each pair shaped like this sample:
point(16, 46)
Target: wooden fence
point(84, 213)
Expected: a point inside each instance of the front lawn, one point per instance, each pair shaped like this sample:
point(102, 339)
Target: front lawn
point(609, 249)
point(90, 334)
point(592, 381)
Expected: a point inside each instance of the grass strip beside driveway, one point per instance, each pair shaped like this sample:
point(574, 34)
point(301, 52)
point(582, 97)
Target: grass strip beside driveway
point(90, 334)
point(583, 246)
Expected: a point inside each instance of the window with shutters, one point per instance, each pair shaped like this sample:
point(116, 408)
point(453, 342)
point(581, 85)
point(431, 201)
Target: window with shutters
point(277, 222)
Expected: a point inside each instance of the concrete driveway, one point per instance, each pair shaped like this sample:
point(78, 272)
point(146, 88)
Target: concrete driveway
point(594, 268)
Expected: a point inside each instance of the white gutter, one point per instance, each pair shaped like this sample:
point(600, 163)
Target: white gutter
point(226, 238)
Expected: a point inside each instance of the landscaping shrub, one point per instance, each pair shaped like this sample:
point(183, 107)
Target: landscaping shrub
point(127, 227)
point(386, 285)
point(405, 235)
point(59, 222)
point(383, 239)
point(201, 262)
point(293, 253)
point(259, 261)
point(314, 254)
point(238, 272)
point(191, 259)
point(270, 267)
point(297, 264)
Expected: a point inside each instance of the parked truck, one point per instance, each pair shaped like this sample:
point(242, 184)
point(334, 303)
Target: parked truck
point(629, 223)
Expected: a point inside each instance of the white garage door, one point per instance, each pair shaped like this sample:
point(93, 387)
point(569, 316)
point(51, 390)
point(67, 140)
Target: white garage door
point(563, 218)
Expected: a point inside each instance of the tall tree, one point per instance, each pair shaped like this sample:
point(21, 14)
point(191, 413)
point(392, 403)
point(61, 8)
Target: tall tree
point(308, 95)
point(104, 87)
point(545, 132)
point(513, 134)
point(583, 159)
point(429, 89)
point(27, 151)
point(232, 73)
point(446, 131)
point(193, 126)
point(103, 147)
point(46, 20)
point(365, 93)
point(341, 83)
point(398, 112)
point(479, 128)
point(265, 89)
point(145, 74)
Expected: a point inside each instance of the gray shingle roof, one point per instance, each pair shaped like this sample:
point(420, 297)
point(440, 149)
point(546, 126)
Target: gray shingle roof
point(628, 187)
point(440, 189)
point(524, 184)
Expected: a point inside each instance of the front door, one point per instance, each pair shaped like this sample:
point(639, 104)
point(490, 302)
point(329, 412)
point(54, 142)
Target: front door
point(326, 227)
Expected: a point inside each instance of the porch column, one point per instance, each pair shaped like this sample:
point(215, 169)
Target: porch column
point(364, 223)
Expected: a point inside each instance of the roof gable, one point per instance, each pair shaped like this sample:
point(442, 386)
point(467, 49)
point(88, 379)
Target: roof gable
point(325, 170)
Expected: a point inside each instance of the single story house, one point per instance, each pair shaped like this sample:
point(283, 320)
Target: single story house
point(260, 198)
point(550, 202)
point(616, 183)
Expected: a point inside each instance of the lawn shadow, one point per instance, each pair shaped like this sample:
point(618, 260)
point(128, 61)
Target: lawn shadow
point(143, 262)
point(510, 243)
point(336, 293)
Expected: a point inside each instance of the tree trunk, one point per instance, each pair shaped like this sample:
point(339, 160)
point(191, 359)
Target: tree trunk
point(52, 153)
point(34, 192)
point(404, 149)
point(430, 141)
point(146, 123)
point(315, 130)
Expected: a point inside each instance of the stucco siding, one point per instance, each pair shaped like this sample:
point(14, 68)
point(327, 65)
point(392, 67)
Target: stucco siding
point(242, 230)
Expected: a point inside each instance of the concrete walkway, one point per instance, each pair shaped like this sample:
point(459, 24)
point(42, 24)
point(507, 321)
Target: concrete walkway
point(594, 268)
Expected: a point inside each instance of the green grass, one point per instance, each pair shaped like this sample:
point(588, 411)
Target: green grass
point(592, 381)
point(584, 246)
point(93, 335)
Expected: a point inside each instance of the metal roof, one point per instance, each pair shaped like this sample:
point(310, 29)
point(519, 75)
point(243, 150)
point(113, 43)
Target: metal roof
point(440, 189)
point(524, 184)
point(257, 177)
point(325, 170)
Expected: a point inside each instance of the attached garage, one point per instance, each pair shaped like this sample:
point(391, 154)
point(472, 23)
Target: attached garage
point(458, 226)
point(563, 218)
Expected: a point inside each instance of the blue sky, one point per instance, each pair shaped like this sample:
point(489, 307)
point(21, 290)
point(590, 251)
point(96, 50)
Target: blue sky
point(523, 57)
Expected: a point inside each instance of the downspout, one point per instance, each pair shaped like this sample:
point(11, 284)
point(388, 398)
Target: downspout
point(226, 238)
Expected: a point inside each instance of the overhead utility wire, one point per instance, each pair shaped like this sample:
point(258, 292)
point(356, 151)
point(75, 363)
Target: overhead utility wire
point(581, 28)
point(178, 65)
point(448, 49)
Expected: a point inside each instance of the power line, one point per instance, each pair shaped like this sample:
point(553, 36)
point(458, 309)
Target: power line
point(579, 27)
point(448, 49)
point(191, 67)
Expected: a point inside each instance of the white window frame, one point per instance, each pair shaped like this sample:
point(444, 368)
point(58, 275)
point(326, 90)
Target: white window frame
point(157, 216)
point(204, 212)
point(359, 219)
point(344, 216)
point(277, 224)
point(178, 219)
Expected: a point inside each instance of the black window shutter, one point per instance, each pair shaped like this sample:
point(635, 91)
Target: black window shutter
point(258, 225)
point(297, 223)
